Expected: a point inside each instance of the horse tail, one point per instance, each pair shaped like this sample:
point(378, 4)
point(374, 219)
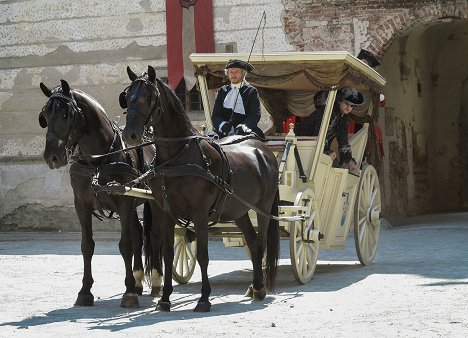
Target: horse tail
point(273, 247)
point(147, 225)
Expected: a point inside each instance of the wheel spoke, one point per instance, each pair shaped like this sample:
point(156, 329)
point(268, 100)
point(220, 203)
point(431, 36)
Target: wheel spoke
point(190, 253)
point(177, 249)
point(184, 262)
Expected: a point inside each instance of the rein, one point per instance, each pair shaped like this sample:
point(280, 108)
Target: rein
point(154, 141)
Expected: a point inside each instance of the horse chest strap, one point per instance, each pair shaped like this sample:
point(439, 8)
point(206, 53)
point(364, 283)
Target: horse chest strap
point(163, 186)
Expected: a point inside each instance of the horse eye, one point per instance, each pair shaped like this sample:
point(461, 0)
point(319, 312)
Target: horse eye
point(64, 116)
point(149, 99)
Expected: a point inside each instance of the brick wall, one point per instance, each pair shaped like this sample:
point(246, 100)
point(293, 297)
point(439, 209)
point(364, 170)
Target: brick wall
point(352, 25)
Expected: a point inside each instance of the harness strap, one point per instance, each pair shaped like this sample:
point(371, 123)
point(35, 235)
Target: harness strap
point(154, 141)
point(299, 165)
point(284, 158)
point(226, 175)
point(198, 171)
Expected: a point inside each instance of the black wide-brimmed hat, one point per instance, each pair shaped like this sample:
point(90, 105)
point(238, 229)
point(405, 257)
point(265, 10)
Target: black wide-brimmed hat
point(350, 94)
point(369, 57)
point(234, 63)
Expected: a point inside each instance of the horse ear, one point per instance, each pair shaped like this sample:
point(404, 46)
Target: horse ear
point(131, 74)
point(42, 120)
point(151, 74)
point(65, 87)
point(45, 90)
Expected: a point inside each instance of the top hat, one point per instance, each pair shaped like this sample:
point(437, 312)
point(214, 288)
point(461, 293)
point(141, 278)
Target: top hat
point(234, 63)
point(351, 95)
point(369, 57)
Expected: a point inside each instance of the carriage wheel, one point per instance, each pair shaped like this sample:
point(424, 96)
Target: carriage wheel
point(367, 215)
point(185, 258)
point(304, 244)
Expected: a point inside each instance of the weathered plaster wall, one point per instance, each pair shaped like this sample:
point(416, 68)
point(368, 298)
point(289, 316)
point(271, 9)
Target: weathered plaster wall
point(89, 44)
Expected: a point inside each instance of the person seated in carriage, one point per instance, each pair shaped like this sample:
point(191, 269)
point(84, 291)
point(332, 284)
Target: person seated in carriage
point(346, 99)
point(237, 106)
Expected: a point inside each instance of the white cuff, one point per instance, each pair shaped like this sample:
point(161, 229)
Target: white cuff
point(221, 126)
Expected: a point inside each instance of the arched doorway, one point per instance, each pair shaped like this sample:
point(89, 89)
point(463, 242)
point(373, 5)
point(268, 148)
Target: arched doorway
point(425, 121)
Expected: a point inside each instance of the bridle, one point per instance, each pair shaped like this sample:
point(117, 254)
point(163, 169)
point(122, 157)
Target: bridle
point(75, 125)
point(75, 130)
point(136, 113)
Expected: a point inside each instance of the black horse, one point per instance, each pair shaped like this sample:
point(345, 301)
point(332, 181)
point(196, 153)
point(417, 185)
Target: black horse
point(77, 127)
point(194, 178)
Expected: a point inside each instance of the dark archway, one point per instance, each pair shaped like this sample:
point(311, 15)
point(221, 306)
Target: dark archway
point(425, 120)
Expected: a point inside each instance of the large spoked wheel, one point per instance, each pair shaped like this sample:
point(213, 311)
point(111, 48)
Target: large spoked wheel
point(185, 257)
point(367, 215)
point(304, 238)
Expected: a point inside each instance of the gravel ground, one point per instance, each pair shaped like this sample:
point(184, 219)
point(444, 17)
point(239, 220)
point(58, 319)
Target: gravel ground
point(417, 287)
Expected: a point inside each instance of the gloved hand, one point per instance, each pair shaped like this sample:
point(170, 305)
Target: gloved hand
point(226, 127)
point(242, 129)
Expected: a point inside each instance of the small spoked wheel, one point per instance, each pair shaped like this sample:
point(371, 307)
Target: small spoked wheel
point(367, 215)
point(185, 257)
point(304, 238)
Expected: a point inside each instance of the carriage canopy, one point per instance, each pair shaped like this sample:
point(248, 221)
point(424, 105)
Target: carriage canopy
point(287, 81)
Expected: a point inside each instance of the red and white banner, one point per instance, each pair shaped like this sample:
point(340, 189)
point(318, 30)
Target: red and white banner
point(189, 29)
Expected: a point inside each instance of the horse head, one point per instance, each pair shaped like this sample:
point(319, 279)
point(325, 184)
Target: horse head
point(142, 100)
point(63, 120)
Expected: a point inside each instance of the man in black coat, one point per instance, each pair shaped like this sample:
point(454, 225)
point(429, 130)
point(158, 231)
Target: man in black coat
point(237, 107)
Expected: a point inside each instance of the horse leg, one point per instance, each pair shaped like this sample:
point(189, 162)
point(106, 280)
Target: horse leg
point(153, 248)
point(256, 247)
point(84, 200)
point(127, 217)
point(156, 251)
point(137, 240)
point(167, 229)
point(201, 233)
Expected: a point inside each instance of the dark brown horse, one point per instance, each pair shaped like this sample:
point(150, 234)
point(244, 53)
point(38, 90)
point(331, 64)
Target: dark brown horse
point(193, 179)
point(78, 127)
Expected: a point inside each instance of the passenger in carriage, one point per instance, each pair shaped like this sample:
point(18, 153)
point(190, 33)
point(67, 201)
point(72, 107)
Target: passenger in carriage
point(237, 106)
point(346, 99)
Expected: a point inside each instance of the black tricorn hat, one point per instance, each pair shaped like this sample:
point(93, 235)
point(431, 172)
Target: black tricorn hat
point(369, 57)
point(350, 94)
point(234, 63)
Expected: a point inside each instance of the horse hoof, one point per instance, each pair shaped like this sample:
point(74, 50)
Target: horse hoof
point(163, 306)
point(259, 294)
point(156, 291)
point(202, 307)
point(139, 290)
point(249, 292)
point(130, 300)
point(85, 300)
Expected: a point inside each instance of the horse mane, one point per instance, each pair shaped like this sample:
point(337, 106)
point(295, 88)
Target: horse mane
point(177, 107)
point(91, 99)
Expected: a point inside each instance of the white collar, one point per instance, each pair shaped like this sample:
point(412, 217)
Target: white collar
point(237, 85)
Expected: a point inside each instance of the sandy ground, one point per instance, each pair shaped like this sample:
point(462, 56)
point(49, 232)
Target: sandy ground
point(417, 287)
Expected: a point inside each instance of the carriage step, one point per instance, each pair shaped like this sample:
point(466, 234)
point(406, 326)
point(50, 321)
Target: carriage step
point(282, 209)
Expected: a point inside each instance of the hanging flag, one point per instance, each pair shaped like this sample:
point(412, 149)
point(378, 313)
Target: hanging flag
point(189, 29)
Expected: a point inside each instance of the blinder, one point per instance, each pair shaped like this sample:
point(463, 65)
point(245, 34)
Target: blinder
point(135, 112)
point(42, 119)
point(71, 108)
point(123, 99)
